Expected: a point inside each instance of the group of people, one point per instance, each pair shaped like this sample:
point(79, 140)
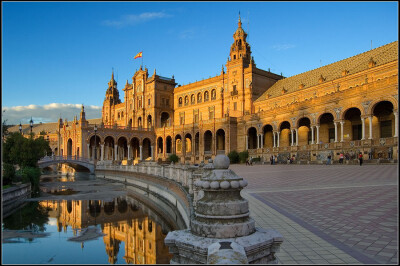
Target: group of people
point(347, 156)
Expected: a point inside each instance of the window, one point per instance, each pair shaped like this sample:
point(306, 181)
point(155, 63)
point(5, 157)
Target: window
point(180, 102)
point(235, 106)
point(199, 97)
point(213, 95)
point(167, 102)
point(193, 99)
point(148, 102)
point(186, 100)
point(206, 96)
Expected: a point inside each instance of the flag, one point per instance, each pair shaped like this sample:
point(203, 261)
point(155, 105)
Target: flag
point(138, 55)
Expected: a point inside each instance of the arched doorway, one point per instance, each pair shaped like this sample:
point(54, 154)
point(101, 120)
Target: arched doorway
point(122, 149)
point(168, 144)
point(304, 131)
point(252, 138)
point(109, 148)
point(385, 126)
point(135, 149)
point(327, 128)
point(178, 144)
point(268, 136)
point(352, 128)
point(208, 142)
point(220, 135)
point(69, 148)
point(285, 136)
point(146, 150)
point(188, 143)
point(160, 146)
point(165, 120)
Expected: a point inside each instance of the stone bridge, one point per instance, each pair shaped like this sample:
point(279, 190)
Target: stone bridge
point(78, 163)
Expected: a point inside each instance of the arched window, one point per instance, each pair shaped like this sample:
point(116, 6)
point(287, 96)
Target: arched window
point(206, 96)
point(180, 101)
point(213, 95)
point(192, 99)
point(186, 100)
point(199, 97)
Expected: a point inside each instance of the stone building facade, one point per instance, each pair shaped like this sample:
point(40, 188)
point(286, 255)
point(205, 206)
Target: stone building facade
point(349, 106)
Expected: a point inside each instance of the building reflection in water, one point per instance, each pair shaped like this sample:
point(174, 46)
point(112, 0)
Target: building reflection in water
point(122, 220)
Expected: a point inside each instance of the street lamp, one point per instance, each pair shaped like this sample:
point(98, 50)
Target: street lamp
point(20, 128)
point(95, 144)
point(31, 124)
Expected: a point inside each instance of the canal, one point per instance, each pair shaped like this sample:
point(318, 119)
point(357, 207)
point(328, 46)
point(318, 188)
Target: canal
point(87, 220)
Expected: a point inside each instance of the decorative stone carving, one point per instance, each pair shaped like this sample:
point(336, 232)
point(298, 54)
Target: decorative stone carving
point(337, 111)
point(382, 141)
point(365, 105)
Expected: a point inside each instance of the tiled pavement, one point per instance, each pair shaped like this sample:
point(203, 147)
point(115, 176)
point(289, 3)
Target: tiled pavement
point(336, 214)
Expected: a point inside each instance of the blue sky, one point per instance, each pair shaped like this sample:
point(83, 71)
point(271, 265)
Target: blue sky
point(60, 54)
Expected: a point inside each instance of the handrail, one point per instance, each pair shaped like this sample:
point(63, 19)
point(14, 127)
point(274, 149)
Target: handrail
point(64, 157)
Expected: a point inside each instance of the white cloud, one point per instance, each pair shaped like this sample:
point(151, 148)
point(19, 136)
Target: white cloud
point(47, 113)
point(280, 47)
point(133, 19)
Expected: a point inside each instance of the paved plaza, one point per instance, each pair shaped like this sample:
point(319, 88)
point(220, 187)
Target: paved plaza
point(327, 214)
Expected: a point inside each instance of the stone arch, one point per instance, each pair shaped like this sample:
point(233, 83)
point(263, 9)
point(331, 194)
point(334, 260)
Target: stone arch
point(199, 97)
point(122, 205)
point(109, 148)
point(208, 141)
point(326, 127)
point(160, 145)
point(165, 119)
point(94, 208)
point(285, 137)
point(352, 126)
point(220, 140)
point(178, 143)
point(109, 207)
point(304, 130)
point(373, 103)
point(180, 100)
point(384, 113)
point(252, 138)
point(69, 147)
point(168, 144)
point(94, 143)
point(188, 142)
point(135, 148)
point(146, 149)
point(122, 148)
point(268, 135)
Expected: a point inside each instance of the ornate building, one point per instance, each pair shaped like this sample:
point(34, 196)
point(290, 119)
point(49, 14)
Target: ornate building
point(349, 106)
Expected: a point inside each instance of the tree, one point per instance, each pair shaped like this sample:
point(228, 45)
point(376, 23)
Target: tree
point(234, 157)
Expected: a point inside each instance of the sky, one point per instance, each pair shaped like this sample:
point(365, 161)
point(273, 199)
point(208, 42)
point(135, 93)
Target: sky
point(57, 56)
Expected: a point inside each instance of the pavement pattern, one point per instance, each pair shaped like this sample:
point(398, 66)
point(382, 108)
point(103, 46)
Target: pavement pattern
point(327, 214)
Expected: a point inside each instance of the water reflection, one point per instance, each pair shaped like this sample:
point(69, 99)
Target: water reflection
point(128, 233)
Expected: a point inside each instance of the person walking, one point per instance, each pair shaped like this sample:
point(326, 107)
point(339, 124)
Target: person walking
point(360, 158)
point(341, 157)
point(328, 162)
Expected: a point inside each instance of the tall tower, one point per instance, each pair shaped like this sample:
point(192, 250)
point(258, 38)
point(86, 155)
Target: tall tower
point(112, 99)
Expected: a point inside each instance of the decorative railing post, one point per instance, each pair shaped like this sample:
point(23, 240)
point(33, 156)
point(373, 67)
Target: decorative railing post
point(222, 230)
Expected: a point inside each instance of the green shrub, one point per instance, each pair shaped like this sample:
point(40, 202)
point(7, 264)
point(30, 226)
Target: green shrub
point(257, 159)
point(243, 156)
point(32, 175)
point(173, 158)
point(233, 157)
point(8, 173)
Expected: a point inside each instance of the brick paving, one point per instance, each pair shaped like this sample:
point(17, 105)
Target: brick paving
point(327, 214)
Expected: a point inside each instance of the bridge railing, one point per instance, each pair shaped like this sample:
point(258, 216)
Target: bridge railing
point(186, 175)
point(63, 158)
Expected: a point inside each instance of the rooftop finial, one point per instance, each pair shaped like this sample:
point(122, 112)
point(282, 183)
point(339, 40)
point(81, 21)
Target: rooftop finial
point(240, 21)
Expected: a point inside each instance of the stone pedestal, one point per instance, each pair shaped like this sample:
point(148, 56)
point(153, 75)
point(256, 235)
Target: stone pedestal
point(222, 231)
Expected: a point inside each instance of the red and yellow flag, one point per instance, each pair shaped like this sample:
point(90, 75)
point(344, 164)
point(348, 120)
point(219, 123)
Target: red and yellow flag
point(138, 55)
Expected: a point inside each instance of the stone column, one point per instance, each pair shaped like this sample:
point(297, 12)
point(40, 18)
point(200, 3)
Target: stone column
point(278, 133)
point(297, 136)
point(312, 134)
point(152, 152)
point(335, 123)
point(396, 124)
point(129, 152)
point(317, 134)
point(116, 152)
point(291, 132)
point(370, 127)
point(140, 151)
point(273, 132)
point(258, 141)
point(247, 142)
point(102, 152)
point(341, 130)
point(88, 151)
point(262, 141)
point(362, 128)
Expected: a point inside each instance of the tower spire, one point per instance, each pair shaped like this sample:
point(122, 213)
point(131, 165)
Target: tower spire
point(240, 21)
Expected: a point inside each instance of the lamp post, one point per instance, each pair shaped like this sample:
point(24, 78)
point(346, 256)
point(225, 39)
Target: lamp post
point(20, 128)
point(31, 124)
point(95, 144)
